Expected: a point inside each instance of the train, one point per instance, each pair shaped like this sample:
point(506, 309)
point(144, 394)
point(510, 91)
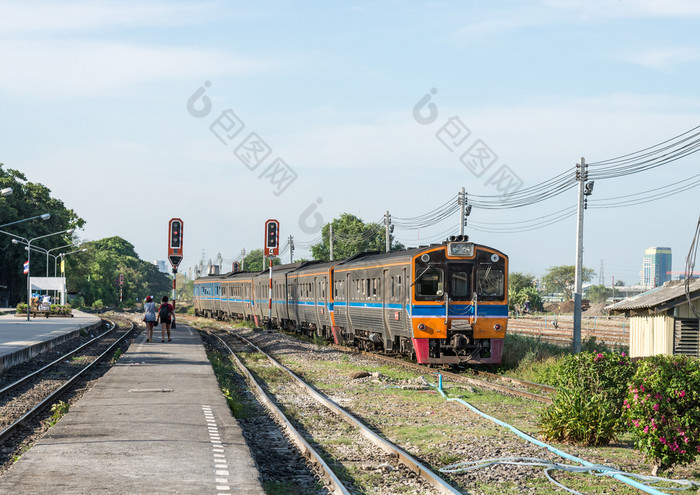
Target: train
point(442, 304)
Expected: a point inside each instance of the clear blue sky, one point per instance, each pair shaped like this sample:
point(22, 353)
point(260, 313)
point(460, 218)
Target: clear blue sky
point(94, 102)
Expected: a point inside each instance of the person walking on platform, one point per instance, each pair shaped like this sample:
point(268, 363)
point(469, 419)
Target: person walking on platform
point(149, 317)
point(166, 315)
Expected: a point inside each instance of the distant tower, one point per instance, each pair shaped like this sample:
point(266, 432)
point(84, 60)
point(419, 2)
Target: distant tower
point(656, 267)
point(601, 274)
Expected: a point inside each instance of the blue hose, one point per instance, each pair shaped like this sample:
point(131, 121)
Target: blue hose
point(606, 470)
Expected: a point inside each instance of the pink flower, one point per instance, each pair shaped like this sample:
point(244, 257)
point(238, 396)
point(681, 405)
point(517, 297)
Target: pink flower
point(663, 440)
point(656, 407)
point(681, 393)
point(623, 354)
point(657, 396)
point(646, 429)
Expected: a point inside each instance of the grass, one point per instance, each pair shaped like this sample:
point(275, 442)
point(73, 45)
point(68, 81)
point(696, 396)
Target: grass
point(235, 396)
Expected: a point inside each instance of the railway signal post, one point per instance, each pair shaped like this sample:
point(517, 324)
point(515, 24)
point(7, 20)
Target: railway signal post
point(175, 249)
point(272, 249)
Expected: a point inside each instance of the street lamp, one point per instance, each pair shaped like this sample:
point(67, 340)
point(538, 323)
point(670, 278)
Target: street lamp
point(63, 255)
point(48, 251)
point(28, 242)
point(45, 216)
point(6, 192)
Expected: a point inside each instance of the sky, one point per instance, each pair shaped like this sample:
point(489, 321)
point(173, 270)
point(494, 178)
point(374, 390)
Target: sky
point(226, 114)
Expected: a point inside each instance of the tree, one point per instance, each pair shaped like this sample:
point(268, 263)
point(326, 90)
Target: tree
point(518, 281)
point(598, 293)
point(350, 237)
point(619, 283)
point(93, 274)
point(29, 200)
point(562, 279)
point(253, 262)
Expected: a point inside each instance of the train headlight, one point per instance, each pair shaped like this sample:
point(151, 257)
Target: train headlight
point(461, 249)
point(421, 326)
point(497, 327)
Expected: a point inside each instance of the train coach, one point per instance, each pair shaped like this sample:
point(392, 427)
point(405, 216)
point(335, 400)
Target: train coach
point(440, 304)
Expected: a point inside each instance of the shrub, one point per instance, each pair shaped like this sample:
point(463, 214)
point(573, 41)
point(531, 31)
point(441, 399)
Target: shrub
point(98, 304)
point(21, 308)
point(663, 410)
point(591, 387)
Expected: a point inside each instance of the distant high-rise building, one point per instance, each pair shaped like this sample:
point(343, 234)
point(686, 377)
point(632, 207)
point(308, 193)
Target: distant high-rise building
point(162, 267)
point(656, 266)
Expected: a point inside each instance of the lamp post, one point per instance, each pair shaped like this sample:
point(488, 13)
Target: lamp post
point(48, 251)
point(62, 256)
point(28, 242)
point(45, 216)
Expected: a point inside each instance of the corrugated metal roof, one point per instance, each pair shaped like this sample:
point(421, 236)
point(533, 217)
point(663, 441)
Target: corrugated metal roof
point(658, 296)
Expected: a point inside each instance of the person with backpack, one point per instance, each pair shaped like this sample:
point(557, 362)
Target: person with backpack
point(166, 315)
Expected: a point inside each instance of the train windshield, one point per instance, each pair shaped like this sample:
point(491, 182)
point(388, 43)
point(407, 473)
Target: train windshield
point(430, 282)
point(490, 282)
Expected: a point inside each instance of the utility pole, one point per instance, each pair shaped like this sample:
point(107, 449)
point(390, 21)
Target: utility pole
point(584, 190)
point(464, 210)
point(387, 223)
point(462, 219)
point(291, 249)
point(330, 235)
point(242, 258)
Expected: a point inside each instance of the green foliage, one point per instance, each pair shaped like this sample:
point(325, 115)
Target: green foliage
point(561, 279)
point(58, 410)
point(599, 293)
point(29, 200)
point(662, 409)
point(590, 392)
point(93, 273)
point(117, 354)
point(253, 262)
point(98, 304)
point(350, 237)
point(21, 308)
point(518, 281)
point(527, 296)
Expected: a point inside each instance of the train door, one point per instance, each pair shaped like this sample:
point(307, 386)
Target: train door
point(348, 298)
point(317, 303)
point(387, 312)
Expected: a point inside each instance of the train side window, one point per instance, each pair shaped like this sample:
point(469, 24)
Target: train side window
point(375, 283)
point(393, 293)
point(430, 281)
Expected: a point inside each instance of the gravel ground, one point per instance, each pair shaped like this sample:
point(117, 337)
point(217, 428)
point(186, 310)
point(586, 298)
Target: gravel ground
point(439, 433)
point(23, 400)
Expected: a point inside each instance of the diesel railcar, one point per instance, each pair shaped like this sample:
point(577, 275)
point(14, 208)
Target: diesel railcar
point(440, 304)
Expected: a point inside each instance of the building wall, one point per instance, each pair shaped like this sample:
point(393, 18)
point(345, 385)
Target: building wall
point(651, 335)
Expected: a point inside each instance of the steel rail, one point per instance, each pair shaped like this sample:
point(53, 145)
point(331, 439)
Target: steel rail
point(10, 429)
point(306, 450)
point(22, 380)
point(453, 376)
point(413, 464)
point(517, 381)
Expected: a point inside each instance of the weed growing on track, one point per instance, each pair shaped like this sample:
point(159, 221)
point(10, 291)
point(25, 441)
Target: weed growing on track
point(57, 412)
point(224, 370)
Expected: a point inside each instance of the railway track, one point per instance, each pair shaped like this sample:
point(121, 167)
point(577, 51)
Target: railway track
point(490, 381)
point(330, 425)
point(28, 397)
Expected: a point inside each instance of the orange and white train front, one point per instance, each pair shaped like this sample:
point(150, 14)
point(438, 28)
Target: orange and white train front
point(459, 303)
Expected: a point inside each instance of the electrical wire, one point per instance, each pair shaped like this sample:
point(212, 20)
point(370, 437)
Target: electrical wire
point(690, 266)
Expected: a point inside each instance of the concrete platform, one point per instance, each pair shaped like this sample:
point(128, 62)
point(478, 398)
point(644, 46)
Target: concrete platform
point(21, 340)
point(155, 423)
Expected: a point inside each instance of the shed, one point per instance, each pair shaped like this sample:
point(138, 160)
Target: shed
point(662, 320)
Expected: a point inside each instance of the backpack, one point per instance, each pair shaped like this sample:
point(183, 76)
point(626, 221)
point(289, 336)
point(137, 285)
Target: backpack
point(164, 312)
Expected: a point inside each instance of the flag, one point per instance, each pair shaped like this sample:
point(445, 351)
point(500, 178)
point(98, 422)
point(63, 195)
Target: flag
point(26, 267)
